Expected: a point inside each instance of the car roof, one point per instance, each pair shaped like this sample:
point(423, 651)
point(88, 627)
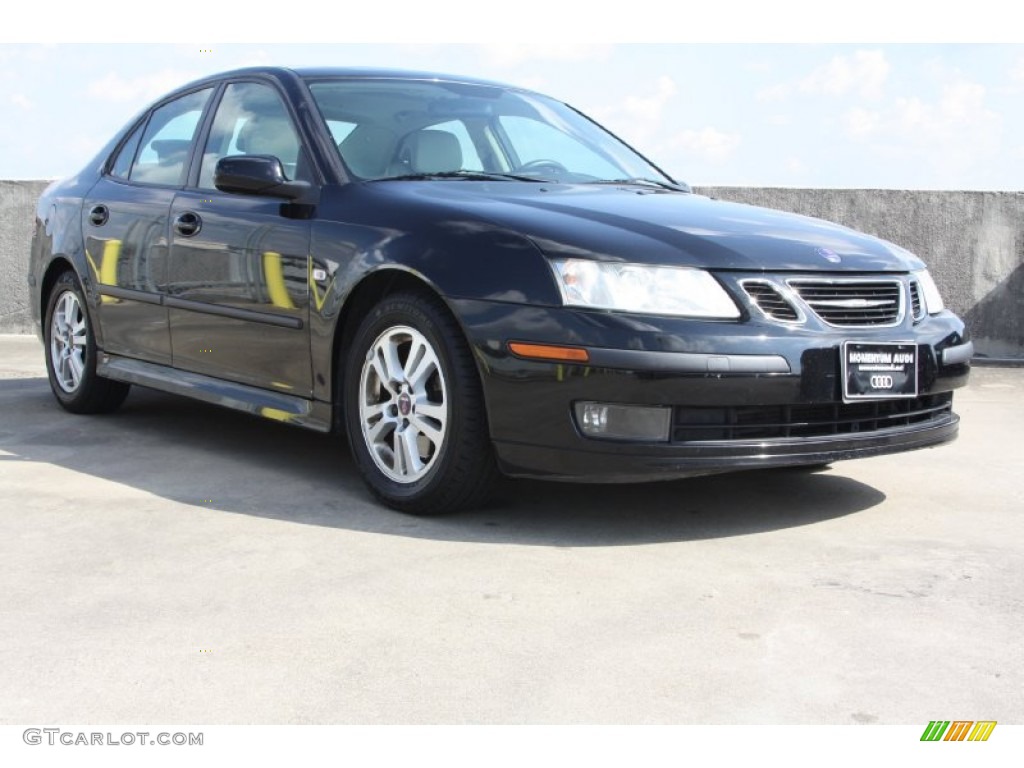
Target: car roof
point(374, 73)
point(397, 74)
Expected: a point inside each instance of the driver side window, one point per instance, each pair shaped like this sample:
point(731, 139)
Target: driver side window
point(251, 119)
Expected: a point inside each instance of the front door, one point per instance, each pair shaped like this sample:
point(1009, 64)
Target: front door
point(239, 265)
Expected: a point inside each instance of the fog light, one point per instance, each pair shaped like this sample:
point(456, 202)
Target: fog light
point(609, 421)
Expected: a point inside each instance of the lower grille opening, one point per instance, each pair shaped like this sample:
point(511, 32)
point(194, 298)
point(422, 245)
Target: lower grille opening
point(814, 420)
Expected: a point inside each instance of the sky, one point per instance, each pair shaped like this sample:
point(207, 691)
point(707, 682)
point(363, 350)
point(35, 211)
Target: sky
point(887, 115)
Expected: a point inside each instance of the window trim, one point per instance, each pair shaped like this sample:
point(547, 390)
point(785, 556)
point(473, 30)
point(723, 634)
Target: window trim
point(108, 166)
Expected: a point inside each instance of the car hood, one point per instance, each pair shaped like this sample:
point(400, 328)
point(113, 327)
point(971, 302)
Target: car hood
point(638, 224)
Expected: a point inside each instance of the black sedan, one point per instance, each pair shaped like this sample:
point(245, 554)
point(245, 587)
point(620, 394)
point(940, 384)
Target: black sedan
point(470, 279)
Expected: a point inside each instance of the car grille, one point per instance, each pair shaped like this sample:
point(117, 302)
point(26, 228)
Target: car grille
point(813, 420)
point(772, 303)
point(852, 302)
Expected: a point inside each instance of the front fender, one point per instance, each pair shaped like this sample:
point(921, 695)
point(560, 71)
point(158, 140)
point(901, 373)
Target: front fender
point(462, 258)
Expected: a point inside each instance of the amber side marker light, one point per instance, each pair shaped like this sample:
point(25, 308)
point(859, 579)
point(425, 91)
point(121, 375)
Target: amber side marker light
point(549, 352)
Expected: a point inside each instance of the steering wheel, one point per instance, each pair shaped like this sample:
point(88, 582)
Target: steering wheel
point(541, 165)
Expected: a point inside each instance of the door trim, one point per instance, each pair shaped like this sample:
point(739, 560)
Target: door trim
point(252, 315)
point(173, 302)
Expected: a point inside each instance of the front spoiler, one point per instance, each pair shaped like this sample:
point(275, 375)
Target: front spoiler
point(608, 462)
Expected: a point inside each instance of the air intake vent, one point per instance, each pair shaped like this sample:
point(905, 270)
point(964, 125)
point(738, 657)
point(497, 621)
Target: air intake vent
point(772, 303)
point(916, 307)
point(853, 303)
point(770, 422)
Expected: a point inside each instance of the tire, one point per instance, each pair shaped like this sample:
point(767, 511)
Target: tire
point(414, 409)
point(70, 350)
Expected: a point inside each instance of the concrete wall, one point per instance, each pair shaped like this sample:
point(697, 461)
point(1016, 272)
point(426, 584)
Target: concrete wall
point(973, 243)
point(17, 212)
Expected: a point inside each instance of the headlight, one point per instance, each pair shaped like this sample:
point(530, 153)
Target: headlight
point(643, 288)
point(930, 291)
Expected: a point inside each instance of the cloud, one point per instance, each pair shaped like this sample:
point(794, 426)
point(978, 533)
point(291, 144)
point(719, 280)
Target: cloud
point(649, 108)
point(760, 66)
point(22, 101)
point(116, 87)
point(953, 133)
point(638, 117)
point(776, 92)
point(1017, 73)
point(962, 101)
point(796, 166)
point(959, 115)
point(257, 58)
point(864, 72)
point(511, 54)
point(860, 123)
point(709, 144)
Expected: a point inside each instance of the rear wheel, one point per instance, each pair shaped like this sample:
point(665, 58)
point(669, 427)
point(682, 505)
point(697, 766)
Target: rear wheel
point(414, 409)
point(71, 353)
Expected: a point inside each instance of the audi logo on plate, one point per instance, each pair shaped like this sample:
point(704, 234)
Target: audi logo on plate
point(881, 382)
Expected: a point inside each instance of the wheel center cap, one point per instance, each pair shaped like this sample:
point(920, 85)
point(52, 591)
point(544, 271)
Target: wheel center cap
point(404, 404)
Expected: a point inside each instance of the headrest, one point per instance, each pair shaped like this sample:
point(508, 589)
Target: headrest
point(434, 152)
point(269, 136)
point(367, 150)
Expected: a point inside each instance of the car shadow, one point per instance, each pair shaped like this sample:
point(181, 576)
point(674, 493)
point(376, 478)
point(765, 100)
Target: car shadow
point(202, 455)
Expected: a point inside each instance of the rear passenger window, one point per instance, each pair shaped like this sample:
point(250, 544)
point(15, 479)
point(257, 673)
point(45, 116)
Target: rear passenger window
point(123, 162)
point(168, 139)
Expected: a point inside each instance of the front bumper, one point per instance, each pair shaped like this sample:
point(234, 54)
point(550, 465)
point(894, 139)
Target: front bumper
point(716, 368)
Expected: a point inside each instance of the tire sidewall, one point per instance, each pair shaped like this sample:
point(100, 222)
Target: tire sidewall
point(417, 314)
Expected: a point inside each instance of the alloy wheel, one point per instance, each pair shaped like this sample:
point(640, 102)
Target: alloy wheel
point(403, 404)
point(68, 341)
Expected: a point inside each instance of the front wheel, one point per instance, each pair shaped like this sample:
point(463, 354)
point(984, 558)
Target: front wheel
point(71, 353)
point(414, 409)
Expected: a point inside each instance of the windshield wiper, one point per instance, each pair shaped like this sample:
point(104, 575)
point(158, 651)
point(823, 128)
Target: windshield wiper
point(463, 174)
point(646, 182)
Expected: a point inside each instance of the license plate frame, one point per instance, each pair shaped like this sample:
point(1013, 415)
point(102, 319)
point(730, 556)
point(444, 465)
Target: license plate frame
point(878, 370)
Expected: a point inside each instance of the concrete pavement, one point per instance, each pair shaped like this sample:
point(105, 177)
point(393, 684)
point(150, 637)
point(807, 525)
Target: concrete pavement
point(177, 563)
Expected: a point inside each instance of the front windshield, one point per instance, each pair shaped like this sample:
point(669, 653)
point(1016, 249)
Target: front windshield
point(389, 128)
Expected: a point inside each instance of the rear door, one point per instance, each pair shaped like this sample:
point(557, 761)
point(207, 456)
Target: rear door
point(239, 265)
point(125, 223)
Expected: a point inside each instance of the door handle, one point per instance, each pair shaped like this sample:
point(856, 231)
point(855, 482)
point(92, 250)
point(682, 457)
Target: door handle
point(188, 224)
point(98, 215)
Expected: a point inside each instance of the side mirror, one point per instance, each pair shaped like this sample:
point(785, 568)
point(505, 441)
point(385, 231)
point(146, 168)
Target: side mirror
point(256, 175)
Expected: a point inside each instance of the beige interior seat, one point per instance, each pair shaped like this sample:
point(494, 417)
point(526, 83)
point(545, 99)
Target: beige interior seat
point(433, 152)
point(367, 150)
point(270, 135)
